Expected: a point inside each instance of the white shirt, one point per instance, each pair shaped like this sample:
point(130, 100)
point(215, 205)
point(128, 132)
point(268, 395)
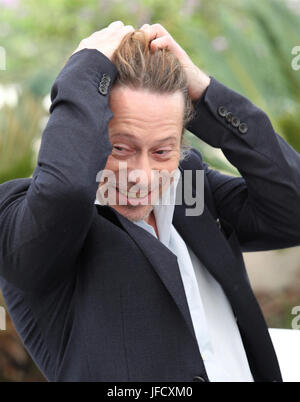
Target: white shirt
point(215, 327)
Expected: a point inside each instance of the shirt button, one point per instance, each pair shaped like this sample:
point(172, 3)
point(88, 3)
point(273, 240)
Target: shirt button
point(199, 379)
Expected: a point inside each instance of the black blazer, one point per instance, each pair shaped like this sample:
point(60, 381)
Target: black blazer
point(93, 296)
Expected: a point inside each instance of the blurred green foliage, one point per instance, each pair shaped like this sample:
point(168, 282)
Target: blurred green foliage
point(20, 127)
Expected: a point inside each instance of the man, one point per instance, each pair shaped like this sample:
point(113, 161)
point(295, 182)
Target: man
point(134, 290)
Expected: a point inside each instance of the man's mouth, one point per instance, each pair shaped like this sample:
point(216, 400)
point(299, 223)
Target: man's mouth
point(134, 194)
point(134, 197)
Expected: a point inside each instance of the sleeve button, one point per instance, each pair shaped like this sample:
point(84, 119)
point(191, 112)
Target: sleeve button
point(222, 111)
point(229, 117)
point(102, 90)
point(104, 84)
point(235, 121)
point(243, 128)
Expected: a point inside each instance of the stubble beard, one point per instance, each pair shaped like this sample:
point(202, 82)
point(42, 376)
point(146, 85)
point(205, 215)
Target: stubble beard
point(135, 213)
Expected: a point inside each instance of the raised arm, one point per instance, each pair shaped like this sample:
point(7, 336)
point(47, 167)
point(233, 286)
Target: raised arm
point(44, 220)
point(263, 205)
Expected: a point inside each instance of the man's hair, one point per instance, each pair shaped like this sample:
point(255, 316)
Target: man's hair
point(159, 71)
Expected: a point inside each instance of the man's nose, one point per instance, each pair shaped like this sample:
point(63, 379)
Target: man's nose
point(139, 172)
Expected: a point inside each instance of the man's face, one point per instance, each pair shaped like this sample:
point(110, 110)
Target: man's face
point(145, 134)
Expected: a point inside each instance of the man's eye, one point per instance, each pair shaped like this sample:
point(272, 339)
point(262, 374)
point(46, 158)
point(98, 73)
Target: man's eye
point(120, 149)
point(162, 151)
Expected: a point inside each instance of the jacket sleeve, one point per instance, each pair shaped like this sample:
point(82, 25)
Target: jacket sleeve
point(262, 206)
point(44, 220)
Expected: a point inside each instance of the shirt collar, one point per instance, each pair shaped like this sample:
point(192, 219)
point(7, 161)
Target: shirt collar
point(163, 211)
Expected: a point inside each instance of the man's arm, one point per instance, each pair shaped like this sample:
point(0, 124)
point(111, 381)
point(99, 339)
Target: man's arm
point(44, 221)
point(263, 205)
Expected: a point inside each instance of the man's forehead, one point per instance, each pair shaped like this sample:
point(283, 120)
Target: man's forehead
point(126, 97)
point(146, 116)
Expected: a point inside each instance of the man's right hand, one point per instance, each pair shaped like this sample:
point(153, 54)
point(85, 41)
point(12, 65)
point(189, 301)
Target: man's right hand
point(107, 40)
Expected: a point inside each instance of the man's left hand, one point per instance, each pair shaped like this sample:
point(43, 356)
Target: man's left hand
point(160, 38)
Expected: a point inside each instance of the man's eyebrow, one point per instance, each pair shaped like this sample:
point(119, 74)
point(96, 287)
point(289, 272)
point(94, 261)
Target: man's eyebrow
point(171, 137)
point(130, 136)
point(123, 135)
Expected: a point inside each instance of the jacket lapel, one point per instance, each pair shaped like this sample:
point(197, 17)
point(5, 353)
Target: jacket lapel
point(204, 235)
point(164, 263)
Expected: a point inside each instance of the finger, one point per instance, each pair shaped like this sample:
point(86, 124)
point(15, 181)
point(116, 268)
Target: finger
point(125, 30)
point(146, 29)
point(156, 31)
point(160, 43)
point(116, 24)
point(145, 26)
point(96, 33)
point(128, 28)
